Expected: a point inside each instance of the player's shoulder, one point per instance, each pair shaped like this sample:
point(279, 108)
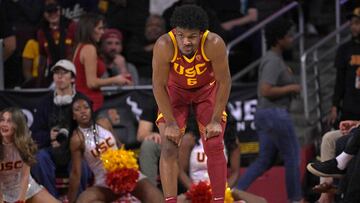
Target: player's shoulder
point(164, 47)
point(164, 41)
point(214, 39)
point(213, 45)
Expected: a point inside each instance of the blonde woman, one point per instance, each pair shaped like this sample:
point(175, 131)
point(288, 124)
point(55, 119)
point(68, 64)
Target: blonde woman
point(17, 153)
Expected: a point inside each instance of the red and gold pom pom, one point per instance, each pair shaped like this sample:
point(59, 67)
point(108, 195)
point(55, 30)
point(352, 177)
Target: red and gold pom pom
point(199, 193)
point(122, 170)
point(122, 181)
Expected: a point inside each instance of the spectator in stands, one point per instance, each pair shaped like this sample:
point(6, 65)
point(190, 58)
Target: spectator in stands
point(89, 66)
point(236, 18)
point(139, 50)
point(117, 16)
point(342, 165)
point(24, 16)
point(17, 154)
point(345, 98)
point(111, 53)
point(8, 58)
point(6, 34)
point(84, 140)
point(30, 63)
point(274, 126)
point(335, 167)
point(150, 139)
point(122, 122)
point(51, 127)
point(55, 37)
point(347, 86)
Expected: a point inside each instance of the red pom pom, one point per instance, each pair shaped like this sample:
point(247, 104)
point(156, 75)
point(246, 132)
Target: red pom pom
point(122, 181)
point(200, 193)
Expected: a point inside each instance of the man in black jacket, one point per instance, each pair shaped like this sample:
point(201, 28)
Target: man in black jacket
point(51, 128)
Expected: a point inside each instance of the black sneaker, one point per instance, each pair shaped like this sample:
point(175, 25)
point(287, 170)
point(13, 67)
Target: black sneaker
point(326, 169)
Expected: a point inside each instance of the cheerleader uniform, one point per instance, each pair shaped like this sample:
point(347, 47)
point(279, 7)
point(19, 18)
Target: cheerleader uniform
point(104, 140)
point(198, 168)
point(11, 173)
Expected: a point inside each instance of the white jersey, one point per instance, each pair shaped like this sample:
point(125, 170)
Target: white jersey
point(105, 141)
point(11, 173)
point(198, 164)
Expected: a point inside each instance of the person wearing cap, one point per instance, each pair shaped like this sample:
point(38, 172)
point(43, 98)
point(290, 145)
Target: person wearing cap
point(52, 118)
point(111, 52)
point(345, 109)
point(55, 37)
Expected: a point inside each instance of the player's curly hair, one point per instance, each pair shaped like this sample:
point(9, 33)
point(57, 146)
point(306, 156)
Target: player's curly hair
point(190, 17)
point(276, 30)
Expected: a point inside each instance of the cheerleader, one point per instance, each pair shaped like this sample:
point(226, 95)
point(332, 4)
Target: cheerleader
point(193, 167)
point(17, 153)
point(89, 140)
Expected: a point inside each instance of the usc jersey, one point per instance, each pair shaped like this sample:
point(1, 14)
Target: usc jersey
point(10, 175)
point(189, 73)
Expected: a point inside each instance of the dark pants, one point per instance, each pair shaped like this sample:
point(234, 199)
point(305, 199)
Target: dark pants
point(44, 172)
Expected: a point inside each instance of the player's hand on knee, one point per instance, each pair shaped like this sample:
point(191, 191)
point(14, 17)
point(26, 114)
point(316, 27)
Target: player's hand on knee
point(213, 129)
point(172, 132)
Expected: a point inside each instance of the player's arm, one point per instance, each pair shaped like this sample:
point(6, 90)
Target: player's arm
point(162, 55)
point(215, 50)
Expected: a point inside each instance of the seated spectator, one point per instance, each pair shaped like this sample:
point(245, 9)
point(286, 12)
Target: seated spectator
point(149, 136)
point(89, 66)
point(51, 128)
point(236, 18)
point(336, 167)
point(84, 141)
point(24, 17)
point(111, 53)
point(30, 63)
point(139, 50)
point(9, 56)
point(123, 124)
point(7, 34)
point(55, 37)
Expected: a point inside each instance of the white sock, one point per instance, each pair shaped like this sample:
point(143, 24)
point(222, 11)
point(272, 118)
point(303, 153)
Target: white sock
point(343, 159)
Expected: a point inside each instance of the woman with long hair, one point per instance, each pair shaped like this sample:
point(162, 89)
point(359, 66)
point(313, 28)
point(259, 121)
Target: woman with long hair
point(89, 140)
point(89, 66)
point(17, 154)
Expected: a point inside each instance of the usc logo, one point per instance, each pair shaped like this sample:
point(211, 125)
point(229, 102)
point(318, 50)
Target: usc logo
point(191, 72)
point(102, 147)
point(7, 166)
